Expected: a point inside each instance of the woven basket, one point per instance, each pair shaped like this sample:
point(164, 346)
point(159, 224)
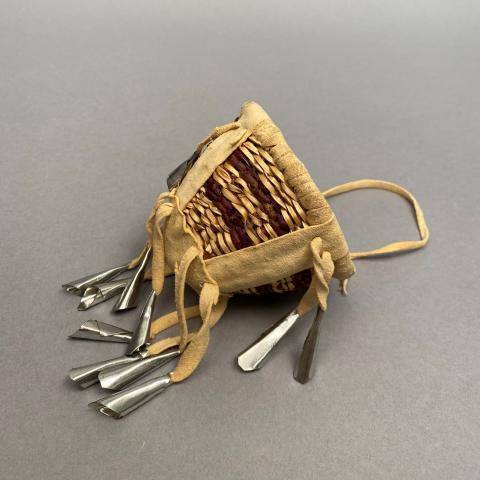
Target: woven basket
point(246, 201)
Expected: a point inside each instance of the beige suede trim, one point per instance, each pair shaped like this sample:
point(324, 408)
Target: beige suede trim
point(213, 155)
point(270, 261)
point(318, 211)
point(178, 239)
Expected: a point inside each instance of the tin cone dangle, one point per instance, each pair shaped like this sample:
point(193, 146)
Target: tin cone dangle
point(121, 403)
point(101, 292)
point(129, 296)
point(140, 337)
point(256, 354)
point(100, 331)
point(304, 369)
point(119, 377)
point(77, 287)
point(88, 375)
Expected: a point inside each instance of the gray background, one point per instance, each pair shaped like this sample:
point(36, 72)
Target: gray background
point(100, 100)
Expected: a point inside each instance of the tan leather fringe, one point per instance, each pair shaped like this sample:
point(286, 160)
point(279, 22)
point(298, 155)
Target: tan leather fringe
point(171, 319)
point(196, 349)
point(180, 278)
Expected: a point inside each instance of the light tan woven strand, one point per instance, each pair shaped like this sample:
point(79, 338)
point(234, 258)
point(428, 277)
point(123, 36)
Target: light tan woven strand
point(405, 245)
point(273, 179)
point(206, 222)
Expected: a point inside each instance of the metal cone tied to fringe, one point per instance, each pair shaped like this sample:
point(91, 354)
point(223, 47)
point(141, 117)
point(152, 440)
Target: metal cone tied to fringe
point(128, 297)
point(241, 216)
point(101, 292)
point(117, 378)
point(78, 287)
point(100, 331)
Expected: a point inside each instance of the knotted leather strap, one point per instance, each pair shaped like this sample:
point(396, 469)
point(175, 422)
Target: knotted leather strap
point(197, 347)
point(322, 272)
point(171, 319)
point(180, 279)
point(192, 346)
point(160, 211)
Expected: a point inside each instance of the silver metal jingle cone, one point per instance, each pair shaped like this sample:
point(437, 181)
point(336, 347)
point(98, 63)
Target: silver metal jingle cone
point(100, 331)
point(121, 403)
point(141, 335)
point(88, 375)
point(129, 296)
point(257, 353)
point(304, 369)
point(119, 377)
point(101, 292)
point(77, 287)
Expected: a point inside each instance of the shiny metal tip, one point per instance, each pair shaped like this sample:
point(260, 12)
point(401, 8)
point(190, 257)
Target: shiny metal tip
point(72, 289)
point(87, 375)
point(305, 365)
point(253, 357)
point(100, 331)
point(142, 333)
point(105, 410)
point(101, 292)
point(120, 404)
point(77, 287)
point(129, 295)
point(119, 377)
point(175, 177)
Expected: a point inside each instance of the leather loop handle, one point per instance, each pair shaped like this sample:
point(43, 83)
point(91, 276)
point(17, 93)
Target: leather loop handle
point(402, 246)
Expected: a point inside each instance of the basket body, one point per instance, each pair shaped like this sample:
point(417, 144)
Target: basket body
point(252, 209)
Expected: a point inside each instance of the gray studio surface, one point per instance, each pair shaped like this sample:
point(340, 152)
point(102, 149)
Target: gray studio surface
point(100, 100)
